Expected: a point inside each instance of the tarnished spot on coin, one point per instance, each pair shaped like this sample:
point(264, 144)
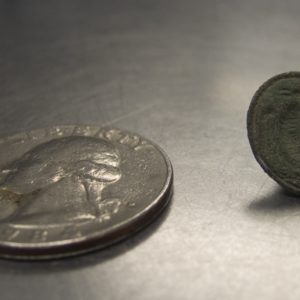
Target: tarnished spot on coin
point(274, 129)
point(70, 189)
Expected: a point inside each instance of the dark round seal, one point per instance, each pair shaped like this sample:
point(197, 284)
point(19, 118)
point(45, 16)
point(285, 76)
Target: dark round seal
point(71, 189)
point(273, 124)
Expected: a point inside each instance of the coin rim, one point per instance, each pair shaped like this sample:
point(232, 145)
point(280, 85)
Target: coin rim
point(98, 240)
point(252, 129)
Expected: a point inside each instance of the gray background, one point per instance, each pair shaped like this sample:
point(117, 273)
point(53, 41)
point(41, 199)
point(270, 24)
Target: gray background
point(181, 73)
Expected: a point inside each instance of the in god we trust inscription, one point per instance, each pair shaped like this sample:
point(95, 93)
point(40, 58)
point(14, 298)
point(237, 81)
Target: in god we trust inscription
point(71, 189)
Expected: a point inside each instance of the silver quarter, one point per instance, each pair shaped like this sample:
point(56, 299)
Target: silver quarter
point(71, 189)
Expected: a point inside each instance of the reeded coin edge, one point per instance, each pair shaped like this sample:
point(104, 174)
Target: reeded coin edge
point(251, 129)
point(91, 244)
point(98, 240)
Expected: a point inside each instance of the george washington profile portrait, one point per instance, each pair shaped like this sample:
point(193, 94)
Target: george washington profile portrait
point(59, 182)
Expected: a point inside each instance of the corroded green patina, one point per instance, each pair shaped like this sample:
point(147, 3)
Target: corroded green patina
point(274, 129)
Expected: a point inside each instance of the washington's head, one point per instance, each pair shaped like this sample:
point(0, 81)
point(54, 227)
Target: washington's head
point(86, 158)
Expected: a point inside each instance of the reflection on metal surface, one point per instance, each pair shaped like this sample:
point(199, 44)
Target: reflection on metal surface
point(82, 163)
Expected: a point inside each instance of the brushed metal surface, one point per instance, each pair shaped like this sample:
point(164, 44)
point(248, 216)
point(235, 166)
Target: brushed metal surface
point(181, 73)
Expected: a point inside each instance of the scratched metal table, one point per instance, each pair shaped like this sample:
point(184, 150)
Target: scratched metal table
point(181, 73)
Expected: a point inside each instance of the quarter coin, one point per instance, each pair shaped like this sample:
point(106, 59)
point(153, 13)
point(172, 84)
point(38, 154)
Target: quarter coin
point(274, 129)
point(66, 190)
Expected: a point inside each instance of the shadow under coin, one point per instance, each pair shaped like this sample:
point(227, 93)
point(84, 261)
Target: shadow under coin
point(279, 201)
point(23, 267)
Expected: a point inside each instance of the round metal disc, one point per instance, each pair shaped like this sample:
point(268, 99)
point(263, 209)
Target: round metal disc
point(70, 189)
point(274, 129)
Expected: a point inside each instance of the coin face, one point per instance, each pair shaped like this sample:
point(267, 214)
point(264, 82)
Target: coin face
point(274, 129)
point(71, 189)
